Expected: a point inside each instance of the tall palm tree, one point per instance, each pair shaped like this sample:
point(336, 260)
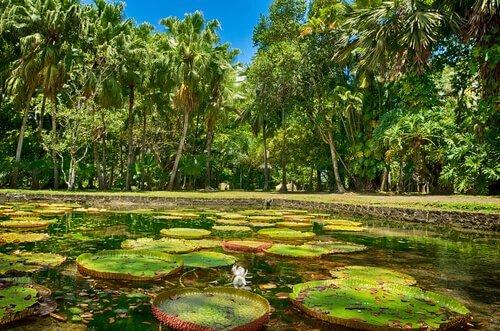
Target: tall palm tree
point(192, 40)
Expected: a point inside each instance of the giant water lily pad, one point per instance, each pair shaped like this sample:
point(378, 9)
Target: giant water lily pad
point(265, 218)
point(346, 228)
point(128, 264)
point(21, 262)
point(232, 222)
point(167, 245)
point(15, 238)
point(205, 243)
point(230, 215)
point(26, 224)
point(16, 302)
point(294, 225)
point(341, 222)
point(285, 234)
point(373, 274)
point(364, 305)
point(185, 233)
point(304, 251)
point(207, 259)
point(231, 228)
point(338, 246)
point(262, 225)
point(211, 309)
point(248, 246)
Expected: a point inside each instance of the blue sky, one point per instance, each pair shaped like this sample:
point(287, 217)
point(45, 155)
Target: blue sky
point(237, 17)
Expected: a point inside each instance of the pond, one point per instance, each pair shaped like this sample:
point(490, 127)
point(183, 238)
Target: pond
point(463, 265)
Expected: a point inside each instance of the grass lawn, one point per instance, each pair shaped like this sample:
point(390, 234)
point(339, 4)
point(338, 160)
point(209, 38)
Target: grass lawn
point(486, 204)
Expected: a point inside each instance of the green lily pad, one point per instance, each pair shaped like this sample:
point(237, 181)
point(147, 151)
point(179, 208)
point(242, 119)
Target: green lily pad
point(340, 222)
point(304, 251)
point(26, 224)
point(205, 243)
point(285, 234)
point(15, 238)
point(338, 246)
point(249, 246)
point(364, 305)
point(207, 259)
point(167, 245)
point(294, 225)
point(211, 309)
point(230, 215)
point(262, 225)
point(373, 274)
point(128, 264)
point(178, 215)
point(231, 228)
point(16, 302)
point(347, 228)
point(185, 233)
point(232, 222)
point(264, 218)
point(28, 262)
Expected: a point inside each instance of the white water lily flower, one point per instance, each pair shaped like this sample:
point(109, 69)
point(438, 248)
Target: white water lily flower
point(240, 277)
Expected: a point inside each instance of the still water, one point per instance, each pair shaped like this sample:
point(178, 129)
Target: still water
point(462, 264)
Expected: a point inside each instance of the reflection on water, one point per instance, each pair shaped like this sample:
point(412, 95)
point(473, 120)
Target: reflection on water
point(461, 264)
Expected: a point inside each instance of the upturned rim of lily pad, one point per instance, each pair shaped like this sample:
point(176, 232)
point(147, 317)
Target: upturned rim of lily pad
point(26, 292)
point(243, 246)
point(176, 323)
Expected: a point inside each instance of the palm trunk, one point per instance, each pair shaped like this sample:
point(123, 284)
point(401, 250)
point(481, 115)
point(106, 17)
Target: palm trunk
point(19, 149)
point(210, 137)
point(178, 155)
point(383, 185)
point(283, 155)
point(266, 161)
point(129, 139)
point(54, 155)
point(333, 152)
point(143, 149)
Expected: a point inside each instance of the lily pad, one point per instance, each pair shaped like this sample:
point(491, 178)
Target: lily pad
point(185, 233)
point(128, 264)
point(230, 215)
point(211, 309)
point(286, 234)
point(26, 224)
point(263, 218)
point(347, 228)
point(232, 222)
point(17, 302)
point(338, 246)
point(340, 222)
point(373, 274)
point(248, 246)
point(205, 243)
point(262, 225)
point(304, 251)
point(207, 259)
point(231, 228)
point(293, 225)
point(364, 305)
point(167, 245)
point(15, 238)
point(22, 262)
point(180, 215)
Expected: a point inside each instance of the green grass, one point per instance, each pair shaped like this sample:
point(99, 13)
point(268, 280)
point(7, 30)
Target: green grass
point(484, 204)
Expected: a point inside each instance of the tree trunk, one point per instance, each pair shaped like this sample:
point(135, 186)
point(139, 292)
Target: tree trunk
point(210, 137)
point(54, 137)
point(143, 149)
point(333, 152)
point(130, 132)
point(178, 155)
point(19, 149)
point(319, 184)
point(266, 161)
point(383, 185)
point(283, 155)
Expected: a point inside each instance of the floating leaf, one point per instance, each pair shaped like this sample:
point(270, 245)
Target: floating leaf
point(232, 222)
point(305, 251)
point(286, 234)
point(231, 228)
point(211, 309)
point(205, 243)
point(167, 245)
point(373, 274)
point(340, 222)
point(230, 215)
point(26, 223)
point(15, 238)
point(207, 259)
point(338, 246)
point(347, 228)
point(262, 225)
point(128, 264)
point(249, 246)
point(16, 302)
point(185, 233)
point(364, 305)
point(293, 225)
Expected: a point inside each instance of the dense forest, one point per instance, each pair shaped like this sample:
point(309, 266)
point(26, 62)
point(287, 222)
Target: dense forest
point(366, 95)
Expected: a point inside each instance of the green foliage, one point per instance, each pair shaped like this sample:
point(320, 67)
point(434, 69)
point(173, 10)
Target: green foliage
point(376, 275)
point(206, 259)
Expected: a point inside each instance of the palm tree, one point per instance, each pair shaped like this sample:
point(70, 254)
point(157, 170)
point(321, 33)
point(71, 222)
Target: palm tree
point(192, 41)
